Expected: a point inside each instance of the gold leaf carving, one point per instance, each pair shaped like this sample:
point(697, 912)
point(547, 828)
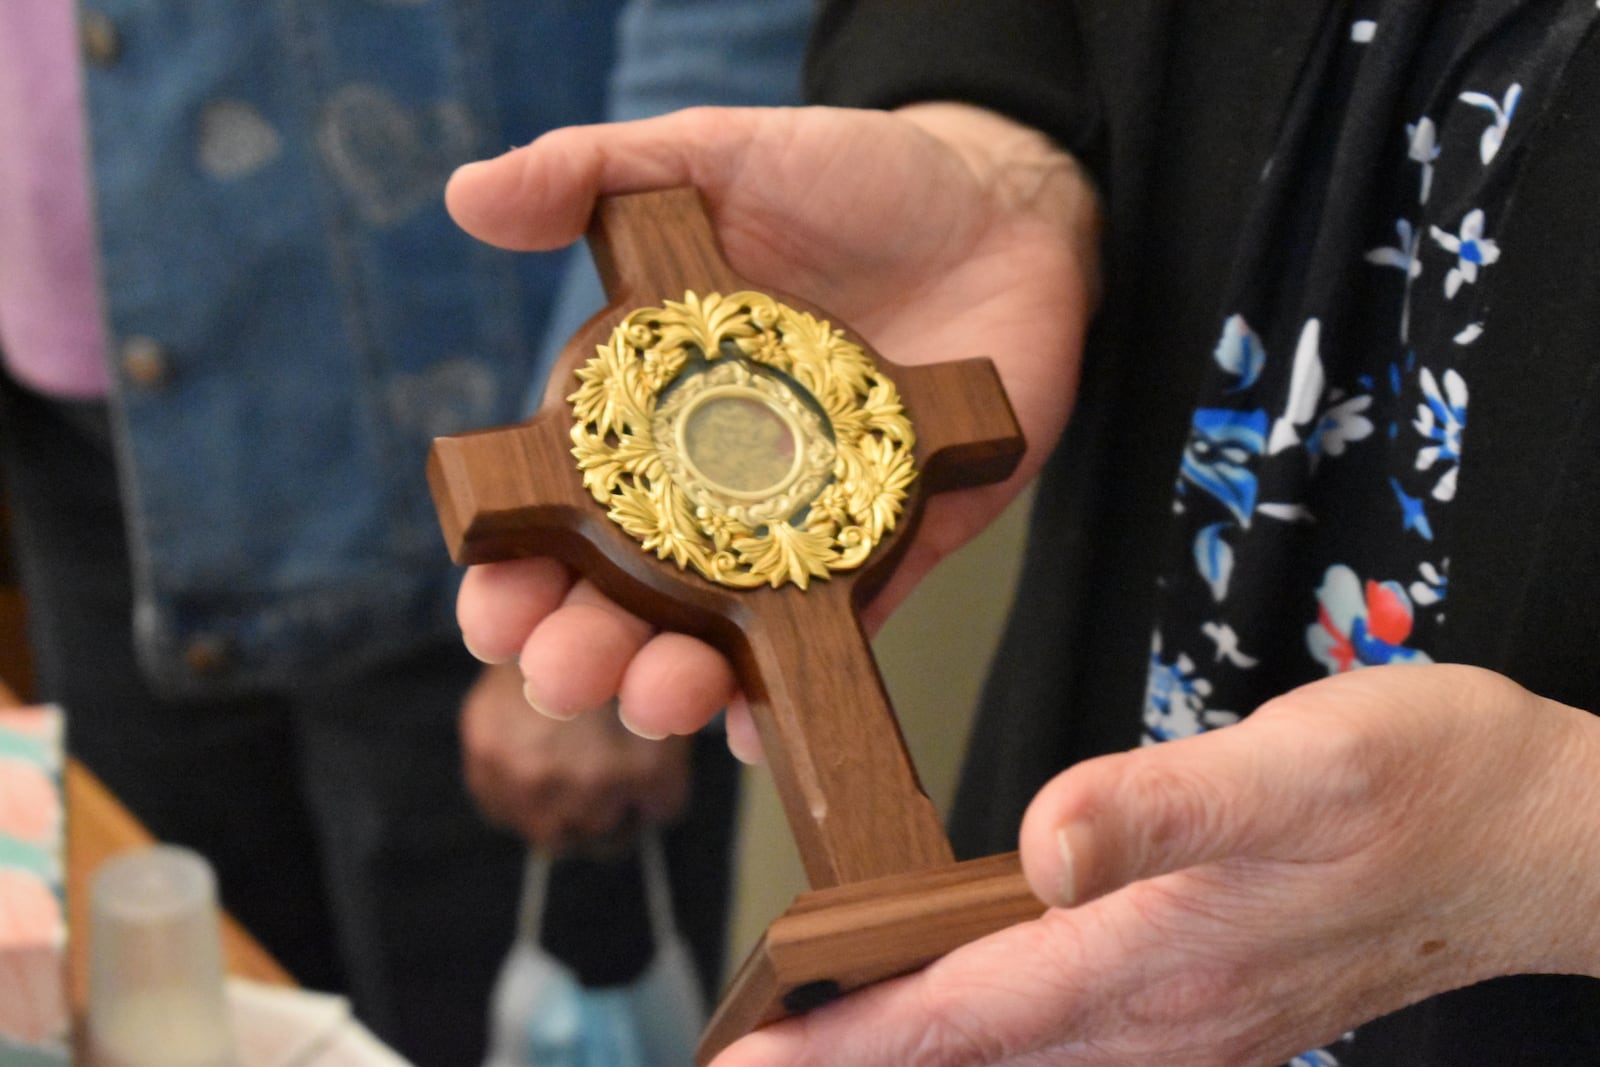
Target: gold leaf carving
point(606, 467)
point(656, 514)
point(611, 394)
point(786, 554)
point(838, 482)
point(879, 487)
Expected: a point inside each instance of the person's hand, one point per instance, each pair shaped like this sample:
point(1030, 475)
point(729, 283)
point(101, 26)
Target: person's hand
point(564, 786)
point(1235, 899)
point(938, 232)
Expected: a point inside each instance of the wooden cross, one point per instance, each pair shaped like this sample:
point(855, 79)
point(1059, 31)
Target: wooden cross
point(887, 895)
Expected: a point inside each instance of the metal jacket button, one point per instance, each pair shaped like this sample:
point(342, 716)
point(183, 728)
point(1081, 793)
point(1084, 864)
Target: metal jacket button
point(146, 362)
point(102, 44)
point(205, 654)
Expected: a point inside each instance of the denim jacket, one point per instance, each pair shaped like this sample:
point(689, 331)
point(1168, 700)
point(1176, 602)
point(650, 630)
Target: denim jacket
point(292, 315)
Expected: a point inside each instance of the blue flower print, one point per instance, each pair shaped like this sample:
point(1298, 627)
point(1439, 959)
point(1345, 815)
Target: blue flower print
point(1222, 446)
point(1239, 352)
point(1502, 110)
point(1175, 700)
point(1413, 512)
point(1213, 558)
point(1360, 626)
point(1321, 1057)
point(1472, 250)
point(1441, 417)
point(1317, 1057)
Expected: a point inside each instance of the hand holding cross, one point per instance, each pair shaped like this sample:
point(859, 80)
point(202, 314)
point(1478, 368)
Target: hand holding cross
point(865, 830)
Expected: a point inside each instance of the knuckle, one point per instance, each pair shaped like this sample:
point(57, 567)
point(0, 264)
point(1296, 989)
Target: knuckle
point(958, 1031)
point(954, 1036)
point(531, 772)
point(484, 763)
point(1346, 756)
point(1188, 998)
point(1173, 805)
point(594, 783)
point(477, 741)
point(1351, 762)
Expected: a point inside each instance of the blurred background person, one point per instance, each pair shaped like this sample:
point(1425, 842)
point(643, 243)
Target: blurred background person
point(233, 314)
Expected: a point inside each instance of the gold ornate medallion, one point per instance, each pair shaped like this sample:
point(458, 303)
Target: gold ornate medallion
point(742, 438)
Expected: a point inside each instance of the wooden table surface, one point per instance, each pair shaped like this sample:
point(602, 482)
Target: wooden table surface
point(99, 827)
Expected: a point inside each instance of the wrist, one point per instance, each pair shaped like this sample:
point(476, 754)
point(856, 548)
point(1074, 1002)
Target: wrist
point(1568, 836)
point(1026, 173)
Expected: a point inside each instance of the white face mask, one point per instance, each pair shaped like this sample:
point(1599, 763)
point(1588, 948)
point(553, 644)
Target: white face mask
point(542, 1016)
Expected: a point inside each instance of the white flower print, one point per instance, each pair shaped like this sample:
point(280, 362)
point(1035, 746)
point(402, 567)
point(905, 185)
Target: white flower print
point(1431, 588)
point(1175, 700)
point(1286, 512)
point(1227, 641)
point(1404, 256)
point(1502, 110)
point(1423, 148)
point(1305, 389)
point(1341, 424)
point(1440, 418)
point(1472, 249)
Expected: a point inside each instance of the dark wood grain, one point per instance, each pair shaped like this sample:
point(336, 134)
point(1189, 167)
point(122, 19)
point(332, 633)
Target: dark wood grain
point(842, 771)
point(834, 941)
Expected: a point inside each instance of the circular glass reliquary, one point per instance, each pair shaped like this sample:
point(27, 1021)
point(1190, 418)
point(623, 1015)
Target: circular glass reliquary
point(744, 439)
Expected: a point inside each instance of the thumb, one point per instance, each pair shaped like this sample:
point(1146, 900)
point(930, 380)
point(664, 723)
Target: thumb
point(1265, 788)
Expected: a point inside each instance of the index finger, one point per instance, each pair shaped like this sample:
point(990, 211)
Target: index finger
point(541, 196)
point(500, 604)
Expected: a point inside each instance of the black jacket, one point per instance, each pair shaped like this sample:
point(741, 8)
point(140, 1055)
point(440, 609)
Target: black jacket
point(1174, 107)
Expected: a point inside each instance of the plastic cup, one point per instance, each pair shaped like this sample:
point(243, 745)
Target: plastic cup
point(156, 994)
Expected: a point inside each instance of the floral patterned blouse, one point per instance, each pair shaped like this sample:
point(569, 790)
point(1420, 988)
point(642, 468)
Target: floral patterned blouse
point(1313, 498)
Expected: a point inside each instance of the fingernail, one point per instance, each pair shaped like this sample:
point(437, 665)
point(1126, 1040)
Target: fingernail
point(744, 739)
point(469, 168)
point(492, 661)
point(635, 729)
point(527, 694)
point(749, 755)
point(1067, 882)
point(476, 165)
